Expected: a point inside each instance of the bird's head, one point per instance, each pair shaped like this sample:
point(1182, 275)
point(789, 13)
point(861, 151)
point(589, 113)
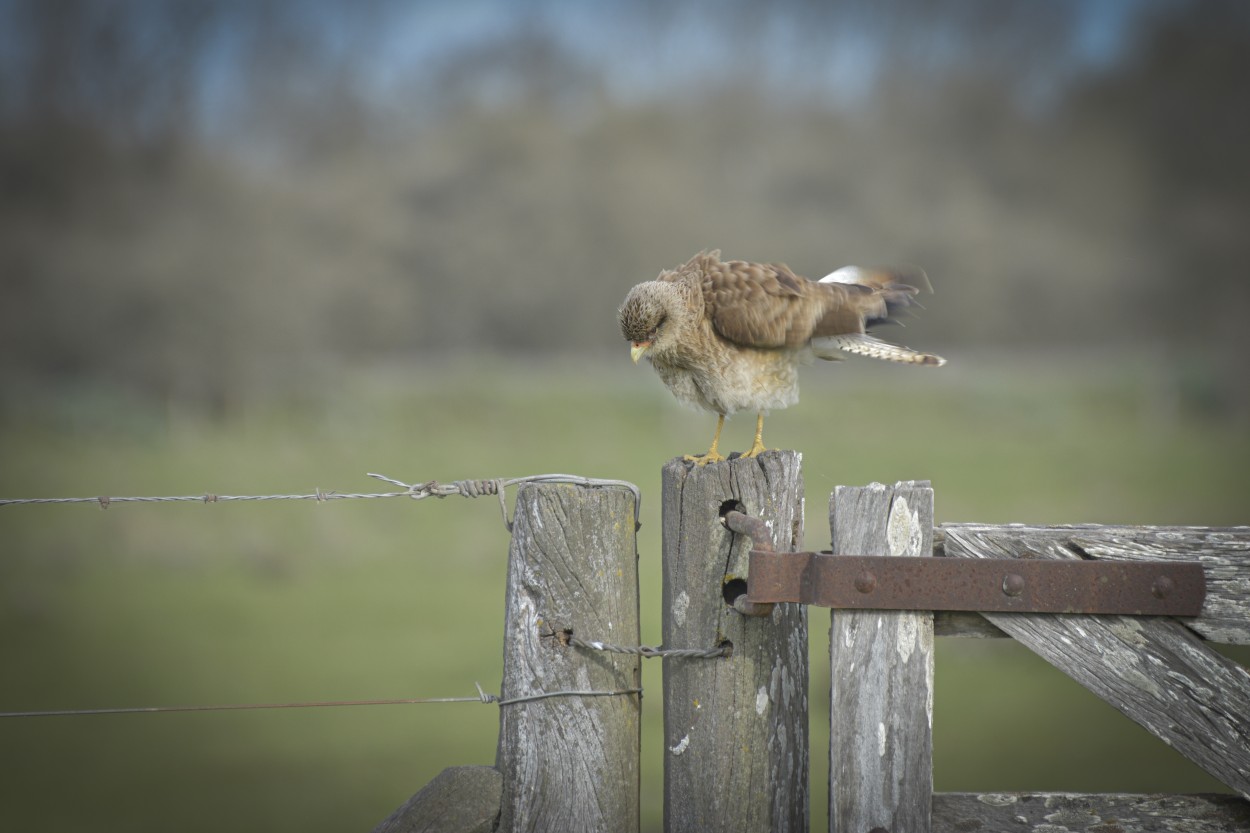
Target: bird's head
point(650, 317)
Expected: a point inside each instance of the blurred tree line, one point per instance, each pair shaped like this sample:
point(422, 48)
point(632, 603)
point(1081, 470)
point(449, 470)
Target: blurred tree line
point(204, 200)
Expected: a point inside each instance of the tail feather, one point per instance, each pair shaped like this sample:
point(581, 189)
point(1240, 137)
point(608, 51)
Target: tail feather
point(861, 344)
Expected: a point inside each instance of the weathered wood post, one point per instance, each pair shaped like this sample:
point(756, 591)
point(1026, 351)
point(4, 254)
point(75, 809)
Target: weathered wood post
point(570, 763)
point(568, 750)
point(460, 799)
point(736, 756)
point(881, 730)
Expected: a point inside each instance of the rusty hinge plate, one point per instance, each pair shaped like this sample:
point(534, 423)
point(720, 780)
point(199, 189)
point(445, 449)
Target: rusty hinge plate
point(1153, 588)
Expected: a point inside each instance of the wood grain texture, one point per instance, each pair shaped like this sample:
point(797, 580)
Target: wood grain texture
point(1153, 669)
point(881, 738)
point(1095, 813)
point(964, 624)
point(735, 729)
point(570, 763)
point(1223, 551)
point(460, 799)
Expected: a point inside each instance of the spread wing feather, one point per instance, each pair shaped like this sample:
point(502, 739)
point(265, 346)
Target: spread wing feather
point(768, 306)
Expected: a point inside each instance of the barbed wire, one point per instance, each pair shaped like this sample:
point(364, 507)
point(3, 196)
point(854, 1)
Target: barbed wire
point(415, 491)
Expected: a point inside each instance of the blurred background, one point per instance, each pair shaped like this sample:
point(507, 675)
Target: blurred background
point(262, 247)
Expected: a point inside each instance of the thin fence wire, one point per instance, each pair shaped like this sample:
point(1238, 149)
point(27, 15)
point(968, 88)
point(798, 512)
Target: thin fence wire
point(415, 491)
point(482, 697)
point(644, 651)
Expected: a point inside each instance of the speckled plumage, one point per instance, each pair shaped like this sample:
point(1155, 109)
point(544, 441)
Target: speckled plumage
point(728, 336)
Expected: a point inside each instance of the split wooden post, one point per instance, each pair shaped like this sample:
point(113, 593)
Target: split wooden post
point(881, 731)
point(570, 762)
point(736, 752)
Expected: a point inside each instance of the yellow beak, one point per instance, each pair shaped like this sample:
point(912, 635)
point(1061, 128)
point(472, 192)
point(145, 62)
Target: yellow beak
point(637, 348)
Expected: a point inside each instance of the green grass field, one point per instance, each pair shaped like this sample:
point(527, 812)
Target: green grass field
point(256, 602)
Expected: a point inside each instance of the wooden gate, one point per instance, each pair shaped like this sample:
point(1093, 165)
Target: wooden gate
point(1156, 670)
point(736, 718)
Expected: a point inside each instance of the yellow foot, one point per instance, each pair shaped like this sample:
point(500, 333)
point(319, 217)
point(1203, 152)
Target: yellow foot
point(712, 456)
point(757, 447)
point(756, 450)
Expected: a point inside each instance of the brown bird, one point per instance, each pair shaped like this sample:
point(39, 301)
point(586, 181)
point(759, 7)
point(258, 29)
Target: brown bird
point(730, 336)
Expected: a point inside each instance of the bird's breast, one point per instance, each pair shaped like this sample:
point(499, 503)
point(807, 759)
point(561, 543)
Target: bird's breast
point(726, 378)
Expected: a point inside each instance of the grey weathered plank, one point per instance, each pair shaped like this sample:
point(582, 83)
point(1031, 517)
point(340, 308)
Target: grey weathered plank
point(956, 622)
point(570, 763)
point(881, 744)
point(1223, 551)
point(1153, 669)
point(735, 728)
point(964, 624)
point(1097, 813)
point(460, 799)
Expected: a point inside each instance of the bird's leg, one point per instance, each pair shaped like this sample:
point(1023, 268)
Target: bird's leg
point(712, 456)
point(758, 445)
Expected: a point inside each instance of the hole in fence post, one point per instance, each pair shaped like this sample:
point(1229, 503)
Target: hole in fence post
point(731, 506)
point(732, 589)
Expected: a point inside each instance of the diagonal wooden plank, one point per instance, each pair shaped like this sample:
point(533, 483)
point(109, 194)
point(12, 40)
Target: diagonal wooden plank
point(1154, 670)
point(881, 719)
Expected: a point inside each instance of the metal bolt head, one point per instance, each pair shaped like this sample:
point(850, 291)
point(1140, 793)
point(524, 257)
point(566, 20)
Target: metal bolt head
point(1013, 584)
point(1162, 587)
point(866, 582)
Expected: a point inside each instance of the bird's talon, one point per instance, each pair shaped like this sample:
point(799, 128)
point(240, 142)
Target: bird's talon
point(704, 459)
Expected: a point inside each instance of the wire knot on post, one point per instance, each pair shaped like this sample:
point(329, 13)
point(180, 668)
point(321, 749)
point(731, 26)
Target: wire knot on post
point(477, 488)
point(464, 488)
point(720, 651)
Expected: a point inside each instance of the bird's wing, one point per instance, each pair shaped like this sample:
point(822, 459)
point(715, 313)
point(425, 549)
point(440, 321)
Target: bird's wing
point(889, 293)
point(768, 306)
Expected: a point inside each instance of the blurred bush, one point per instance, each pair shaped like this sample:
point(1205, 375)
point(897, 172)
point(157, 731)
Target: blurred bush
point(202, 202)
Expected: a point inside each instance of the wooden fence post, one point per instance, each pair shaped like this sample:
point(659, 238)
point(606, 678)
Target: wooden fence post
point(736, 756)
point(571, 762)
point(881, 729)
point(460, 799)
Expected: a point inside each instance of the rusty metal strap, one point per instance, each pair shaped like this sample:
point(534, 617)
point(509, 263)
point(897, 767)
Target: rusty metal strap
point(1012, 585)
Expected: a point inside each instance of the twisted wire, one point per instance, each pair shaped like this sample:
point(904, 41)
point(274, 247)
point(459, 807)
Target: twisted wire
point(647, 652)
